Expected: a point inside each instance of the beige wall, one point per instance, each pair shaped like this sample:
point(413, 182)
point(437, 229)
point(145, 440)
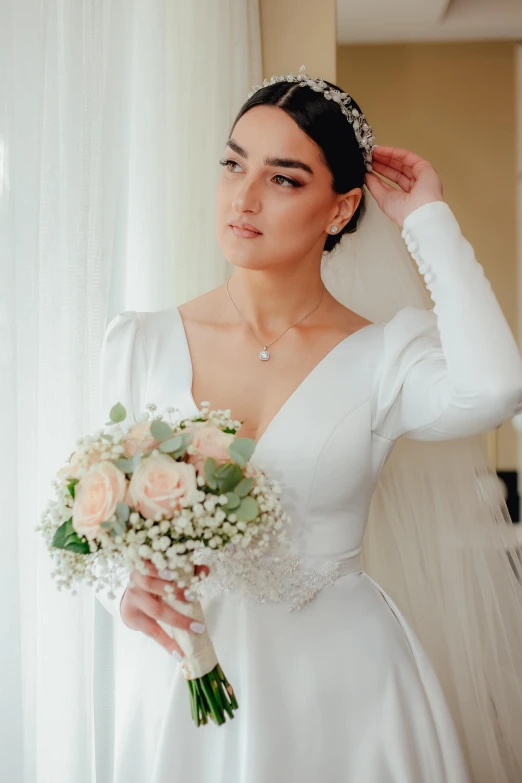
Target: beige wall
point(438, 100)
point(297, 32)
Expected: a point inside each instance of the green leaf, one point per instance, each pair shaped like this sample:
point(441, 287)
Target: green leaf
point(210, 472)
point(118, 413)
point(247, 510)
point(244, 487)
point(160, 430)
point(61, 534)
point(81, 547)
point(106, 525)
point(228, 477)
point(233, 501)
point(119, 527)
point(172, 444)
point(122, 510)
point(71, 486)
point(186, 441)
point(67, 538)
point(241, 450)
point(127, 465)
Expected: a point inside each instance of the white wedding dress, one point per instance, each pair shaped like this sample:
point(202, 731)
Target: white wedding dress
point(340, 690)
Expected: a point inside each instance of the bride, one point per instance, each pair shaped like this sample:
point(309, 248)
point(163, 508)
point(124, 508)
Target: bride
point(404, 662)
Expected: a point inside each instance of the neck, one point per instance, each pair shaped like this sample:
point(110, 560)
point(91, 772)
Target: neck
point(270, 301)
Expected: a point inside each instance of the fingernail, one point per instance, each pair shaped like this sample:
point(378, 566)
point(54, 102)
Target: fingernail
point(175, 654)
point(197, 627)
point(166, 574)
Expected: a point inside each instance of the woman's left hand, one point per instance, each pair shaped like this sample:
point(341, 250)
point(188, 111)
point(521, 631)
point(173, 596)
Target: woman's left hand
point(418, 182)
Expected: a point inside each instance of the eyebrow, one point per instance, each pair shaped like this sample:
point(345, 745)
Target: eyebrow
point(287, 163)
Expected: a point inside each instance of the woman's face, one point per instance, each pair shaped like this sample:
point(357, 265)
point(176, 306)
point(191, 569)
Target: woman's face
point(291, 204)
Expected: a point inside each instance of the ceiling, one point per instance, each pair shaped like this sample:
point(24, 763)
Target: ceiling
point(394, 21)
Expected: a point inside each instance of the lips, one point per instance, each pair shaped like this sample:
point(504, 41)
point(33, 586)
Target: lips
point(245, 227)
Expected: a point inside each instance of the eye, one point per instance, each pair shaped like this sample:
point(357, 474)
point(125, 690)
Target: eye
point(291, 182)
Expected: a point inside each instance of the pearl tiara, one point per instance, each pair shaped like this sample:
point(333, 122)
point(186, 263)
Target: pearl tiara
point(363, 131)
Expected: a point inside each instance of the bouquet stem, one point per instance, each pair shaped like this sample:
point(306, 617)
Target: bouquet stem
point(211, 694)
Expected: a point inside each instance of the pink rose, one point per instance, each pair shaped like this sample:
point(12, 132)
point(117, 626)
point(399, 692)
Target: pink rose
point(138, 438)
point(209, 441)
point(96, 497)
point(71, 470)
point(159, 483)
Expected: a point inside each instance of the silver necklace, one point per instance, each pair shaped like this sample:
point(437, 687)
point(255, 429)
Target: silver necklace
point(264, 355)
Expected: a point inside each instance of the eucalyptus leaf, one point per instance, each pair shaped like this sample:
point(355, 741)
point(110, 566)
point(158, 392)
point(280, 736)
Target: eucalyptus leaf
point(247, 510)
point(106, 525)
point(119, 527)
point(244, 487)
point(160, 430)
point(233, 501)
point(186, 438)
point(172, 444)
point(228, 477)
point(128, 465)
point(210, 472)
point(118, 413)
point(123, 512)
point(241, 450)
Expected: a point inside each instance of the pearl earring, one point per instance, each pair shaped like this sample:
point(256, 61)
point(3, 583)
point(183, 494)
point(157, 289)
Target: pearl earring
point(333, 229)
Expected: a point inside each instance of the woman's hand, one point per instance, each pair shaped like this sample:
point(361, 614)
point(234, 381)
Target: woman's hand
point(418, 182)
point(142, 606)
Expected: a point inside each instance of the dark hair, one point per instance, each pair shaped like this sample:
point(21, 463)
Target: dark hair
point(323, 121)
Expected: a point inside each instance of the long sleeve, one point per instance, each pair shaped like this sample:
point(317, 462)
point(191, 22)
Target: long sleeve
point(454, 370)
point(122, 378)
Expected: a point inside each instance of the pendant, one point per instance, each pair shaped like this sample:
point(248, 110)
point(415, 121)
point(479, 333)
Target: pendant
point(264, 355)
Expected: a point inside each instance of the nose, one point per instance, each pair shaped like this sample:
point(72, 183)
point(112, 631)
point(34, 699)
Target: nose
point(246, 198)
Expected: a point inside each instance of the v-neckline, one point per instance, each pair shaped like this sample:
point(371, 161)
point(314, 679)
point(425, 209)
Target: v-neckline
point(289, 399)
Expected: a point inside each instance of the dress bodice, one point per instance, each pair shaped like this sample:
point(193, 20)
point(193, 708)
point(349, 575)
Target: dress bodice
point(324, 456)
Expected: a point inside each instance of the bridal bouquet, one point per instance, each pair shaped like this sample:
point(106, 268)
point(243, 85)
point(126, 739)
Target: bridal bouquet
point(163, 492)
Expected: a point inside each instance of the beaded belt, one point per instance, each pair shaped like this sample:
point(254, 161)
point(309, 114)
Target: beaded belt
point(248, 575)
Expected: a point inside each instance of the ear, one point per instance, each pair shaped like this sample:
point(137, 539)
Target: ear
point(346, 205)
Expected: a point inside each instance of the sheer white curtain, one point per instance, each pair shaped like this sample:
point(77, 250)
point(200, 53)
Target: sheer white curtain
point(113, 115)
